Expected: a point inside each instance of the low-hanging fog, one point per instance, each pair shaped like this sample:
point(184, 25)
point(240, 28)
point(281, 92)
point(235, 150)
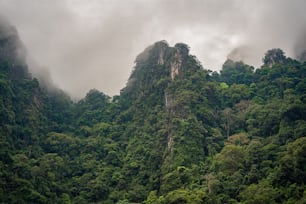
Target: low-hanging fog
point(86, 44)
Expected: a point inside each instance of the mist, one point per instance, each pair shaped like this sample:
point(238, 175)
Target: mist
point(80, 45)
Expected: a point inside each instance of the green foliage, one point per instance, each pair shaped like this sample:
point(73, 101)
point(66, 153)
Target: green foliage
point(236, 72)
point(172, 136)
point(93, 108)
point(260, 193)
point(274, 56)
point(230, 159)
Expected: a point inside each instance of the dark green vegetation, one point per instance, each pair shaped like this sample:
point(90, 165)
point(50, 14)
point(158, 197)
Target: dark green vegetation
point(176, 134)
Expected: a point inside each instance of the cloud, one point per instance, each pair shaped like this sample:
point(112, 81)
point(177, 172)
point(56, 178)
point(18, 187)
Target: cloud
point(86, 44)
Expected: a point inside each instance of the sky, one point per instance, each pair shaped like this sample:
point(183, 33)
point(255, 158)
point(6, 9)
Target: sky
point(85, 44)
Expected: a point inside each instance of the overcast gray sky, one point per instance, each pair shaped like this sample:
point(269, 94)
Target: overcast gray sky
point(86, 44)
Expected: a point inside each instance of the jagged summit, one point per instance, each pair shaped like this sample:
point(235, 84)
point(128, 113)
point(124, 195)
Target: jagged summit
point(161, 62)
point(160, 53)
point(159, 47)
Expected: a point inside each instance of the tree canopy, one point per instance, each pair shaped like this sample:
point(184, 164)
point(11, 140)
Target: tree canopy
point(175, 134)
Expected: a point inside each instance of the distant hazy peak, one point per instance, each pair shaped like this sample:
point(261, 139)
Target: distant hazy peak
point(11, 47)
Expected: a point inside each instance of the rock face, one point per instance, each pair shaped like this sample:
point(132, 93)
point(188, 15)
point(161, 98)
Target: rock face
point(181, 53)
point(176, 65)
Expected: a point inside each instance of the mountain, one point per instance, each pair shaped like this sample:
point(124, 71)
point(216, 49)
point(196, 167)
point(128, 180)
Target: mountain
point(177, 133)
point(16, 84)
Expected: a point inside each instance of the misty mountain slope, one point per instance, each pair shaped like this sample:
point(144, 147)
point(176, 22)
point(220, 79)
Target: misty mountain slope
point(27, 115)
point(16, 84)
point(25, 101)
point(177, 133)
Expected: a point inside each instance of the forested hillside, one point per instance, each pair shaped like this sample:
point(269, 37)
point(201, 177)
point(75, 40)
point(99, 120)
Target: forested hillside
point(177, 133)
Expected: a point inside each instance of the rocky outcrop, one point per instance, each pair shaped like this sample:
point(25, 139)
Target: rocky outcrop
point(175, 65)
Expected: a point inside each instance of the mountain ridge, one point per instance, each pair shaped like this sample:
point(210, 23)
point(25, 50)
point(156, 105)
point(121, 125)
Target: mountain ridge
point(177, 133)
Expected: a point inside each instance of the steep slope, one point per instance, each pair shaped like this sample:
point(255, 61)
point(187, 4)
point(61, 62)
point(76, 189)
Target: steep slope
point(27, 113)
point(20, 93)
point(167, 90)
